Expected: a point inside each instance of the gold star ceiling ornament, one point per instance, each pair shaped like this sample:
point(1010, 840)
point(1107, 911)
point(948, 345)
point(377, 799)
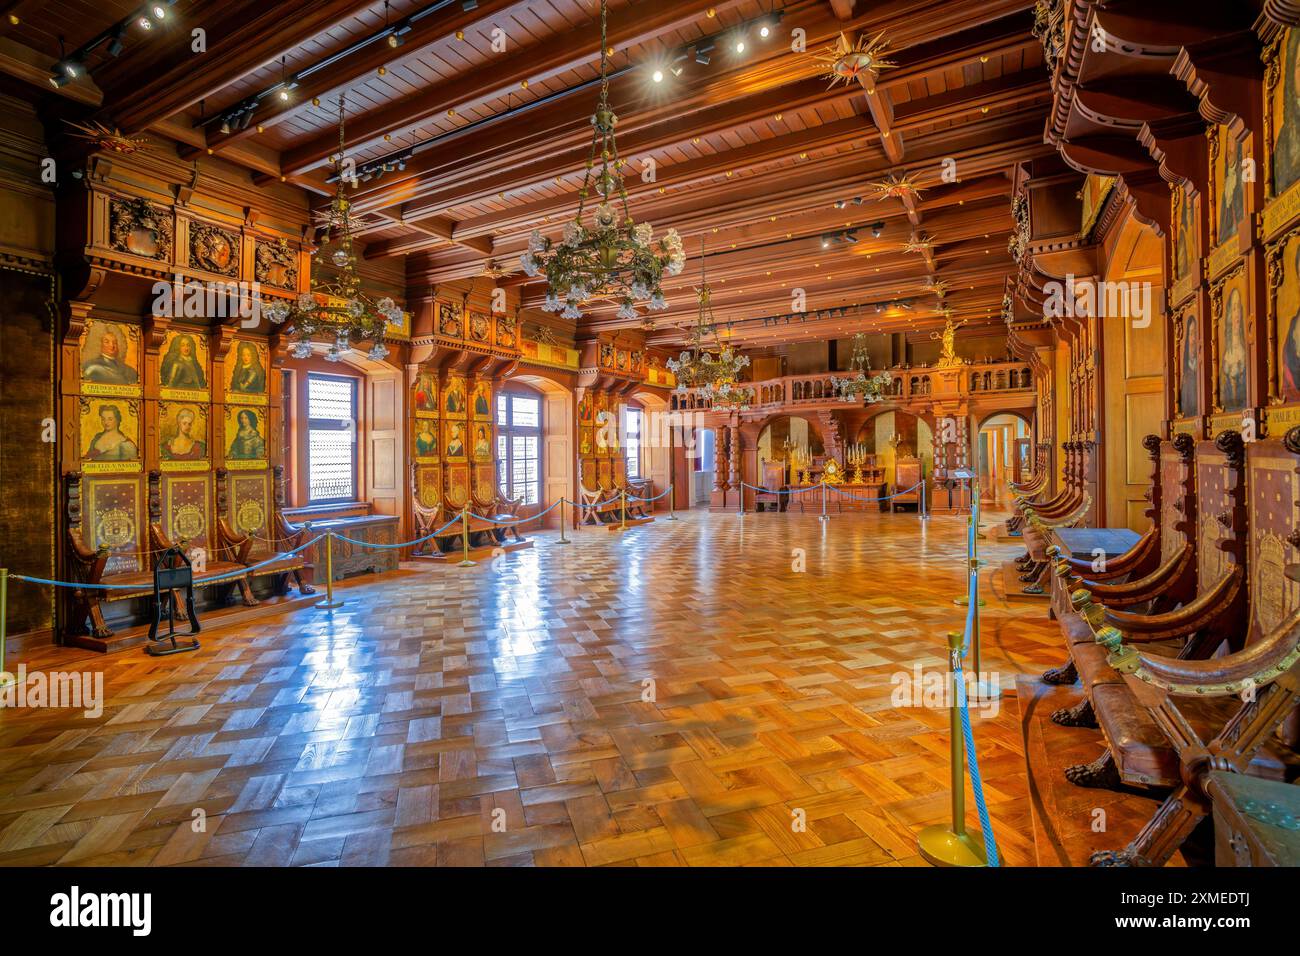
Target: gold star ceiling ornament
point(919, 243)
point(107, 137)
point(896, 187)
point(847, 60)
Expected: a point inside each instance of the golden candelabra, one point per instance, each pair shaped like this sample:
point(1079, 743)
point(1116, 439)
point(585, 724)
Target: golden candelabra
point(857, 455)
point(800, 459)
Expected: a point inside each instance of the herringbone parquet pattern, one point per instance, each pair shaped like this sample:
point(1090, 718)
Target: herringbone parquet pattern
point(500, 714)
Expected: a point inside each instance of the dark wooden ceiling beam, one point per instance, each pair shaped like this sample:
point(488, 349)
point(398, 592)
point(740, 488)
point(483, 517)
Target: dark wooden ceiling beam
point(242, 36)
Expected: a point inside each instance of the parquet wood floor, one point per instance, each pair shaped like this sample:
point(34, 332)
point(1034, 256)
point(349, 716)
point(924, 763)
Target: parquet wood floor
point(498, 715)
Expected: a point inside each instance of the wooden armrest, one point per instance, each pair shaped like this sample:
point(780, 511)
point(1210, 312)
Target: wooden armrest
point(240, 544)
point(1119, 565)
point(1159, 581)
point(1256, 665)
point(83, 554)
point(291, 536)
point(1196, 614)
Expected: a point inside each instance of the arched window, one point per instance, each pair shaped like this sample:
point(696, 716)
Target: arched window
point(519, 445)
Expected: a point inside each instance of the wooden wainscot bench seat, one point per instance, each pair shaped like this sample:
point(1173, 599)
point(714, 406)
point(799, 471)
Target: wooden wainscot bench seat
point(487, 531)
point(87, 565)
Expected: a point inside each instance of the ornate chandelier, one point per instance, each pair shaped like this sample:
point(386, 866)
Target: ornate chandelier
point(336, 306)
point(612, 258)
point(861, 386)
point(846, 60)
point(699, 368)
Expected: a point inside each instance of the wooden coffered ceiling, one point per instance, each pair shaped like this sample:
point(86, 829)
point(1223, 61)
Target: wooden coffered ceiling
point(483, 116)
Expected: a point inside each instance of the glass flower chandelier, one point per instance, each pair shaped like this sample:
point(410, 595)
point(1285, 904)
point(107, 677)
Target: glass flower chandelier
point(714, 375)
point(336, 306)
point(611, 258)
point(861, 386)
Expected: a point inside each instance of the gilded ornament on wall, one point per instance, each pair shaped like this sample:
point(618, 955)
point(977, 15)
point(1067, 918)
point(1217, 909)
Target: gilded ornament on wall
point(274, 263)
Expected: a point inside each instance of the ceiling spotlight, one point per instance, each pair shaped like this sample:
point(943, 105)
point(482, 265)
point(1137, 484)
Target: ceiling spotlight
point(117, 42)
point(159, 11)
point(468, 5)
point(59, 80)
point(740, 46)
point(702, 51)
point(876, 229)
point(395, 41)
point(284, 94)
point(225, 126)
point(657, 76)
point(764, 31)
point(840, 204)
point(145, 23)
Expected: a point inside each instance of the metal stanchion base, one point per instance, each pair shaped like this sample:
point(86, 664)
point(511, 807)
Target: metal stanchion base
point(964, 601)
point(465, 564)
point(941, 847)
point(329, 604)
point(980, 692)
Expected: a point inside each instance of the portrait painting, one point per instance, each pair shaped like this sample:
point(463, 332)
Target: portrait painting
point(248, 363)
point(182, 370)
point(1285, 163)
point(454, 404)
point(245, 442)
point(110, 358)
point(482, 442)
point(110, 435)
point(1230, 205)
point(1232, 345)
point(483, 400)
point(586, 443)
point(1189, 366)
point(453, 440)
point(425, 395)
point(1288, 321)
point(425, 441)
point(585, 408)
point(182, 434)
point(1185, 251)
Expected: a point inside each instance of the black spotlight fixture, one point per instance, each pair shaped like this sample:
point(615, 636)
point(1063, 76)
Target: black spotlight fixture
point(876, 229)
point(702, 51)
point(118, 41)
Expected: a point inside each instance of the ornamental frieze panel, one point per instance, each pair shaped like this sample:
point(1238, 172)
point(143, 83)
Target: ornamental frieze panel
point(275, 264)
point(214, 249)
point(139, 227)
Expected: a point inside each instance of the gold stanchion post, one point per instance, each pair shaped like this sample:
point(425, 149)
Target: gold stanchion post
point(622, 501)
point(953, 846)
point(5, 678)
point(823, 516)
point(464, 537)
point(671, 515)
point(972, 548)
point(329, 602)
point(563, 539)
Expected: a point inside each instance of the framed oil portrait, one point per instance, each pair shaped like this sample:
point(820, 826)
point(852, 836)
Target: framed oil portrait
point(1283, 266)
point(1187, 337)
point(424, 441)
point(1231, 300)
point(1229, 190)
point(1283, 115)
point(246, 374)
point(586, 441)
point(183, 366)
point(424, 395)
point(454, 402)
point(109, 434)
point(454, 441)
point(109, 356)
point(1184, 246)
point(586, 409)
point(482, 401)
point(481, 440)
point(182, 436)
point(245, 437)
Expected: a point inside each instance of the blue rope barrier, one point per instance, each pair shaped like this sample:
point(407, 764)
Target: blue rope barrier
point(896, 494)
point(972, 759)
point(229, 575)
point(406, 544)
point(648, 500)
point(510, 524)
point(781, 491)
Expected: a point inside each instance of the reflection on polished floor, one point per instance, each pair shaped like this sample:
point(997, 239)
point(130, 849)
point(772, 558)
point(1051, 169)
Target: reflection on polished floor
point(670, 696)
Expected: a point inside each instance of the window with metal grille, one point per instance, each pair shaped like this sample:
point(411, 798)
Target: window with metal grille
point(331, 438)
point(632, 442)
point(519, 446)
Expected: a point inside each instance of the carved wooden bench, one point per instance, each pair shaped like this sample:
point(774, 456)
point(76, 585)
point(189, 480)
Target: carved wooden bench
point(271, 553)
point(89, 566)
